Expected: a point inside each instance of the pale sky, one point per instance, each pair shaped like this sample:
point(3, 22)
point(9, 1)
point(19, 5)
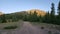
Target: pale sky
point(10, 6)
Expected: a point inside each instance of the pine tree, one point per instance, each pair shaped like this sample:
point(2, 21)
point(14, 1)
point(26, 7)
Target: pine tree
point(0, 18)
point(52, 15)
point(52, 10)
point(3, 18)
point(33, 17)
point(40, 18)
point(59, 8)
point(58, 17)
point(25, 18)
point(46, 18)
point(30, 16)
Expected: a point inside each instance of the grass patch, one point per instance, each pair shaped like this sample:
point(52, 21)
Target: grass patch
point(10, 27)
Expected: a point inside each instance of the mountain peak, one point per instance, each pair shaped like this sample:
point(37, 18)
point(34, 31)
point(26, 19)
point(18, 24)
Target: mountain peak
point(39, 12)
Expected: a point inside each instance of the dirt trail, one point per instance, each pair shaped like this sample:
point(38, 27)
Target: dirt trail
point(28, 28)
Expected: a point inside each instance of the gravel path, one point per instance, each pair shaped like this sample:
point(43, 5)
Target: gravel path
point(28, 28)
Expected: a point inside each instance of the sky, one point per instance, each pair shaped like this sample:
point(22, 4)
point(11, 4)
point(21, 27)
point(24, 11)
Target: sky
point(10, 6)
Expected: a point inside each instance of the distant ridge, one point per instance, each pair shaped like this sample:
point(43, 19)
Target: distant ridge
point(1, 13)
point(39, 12)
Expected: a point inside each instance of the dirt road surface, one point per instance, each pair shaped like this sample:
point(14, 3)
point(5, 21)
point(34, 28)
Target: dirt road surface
point(26, 28)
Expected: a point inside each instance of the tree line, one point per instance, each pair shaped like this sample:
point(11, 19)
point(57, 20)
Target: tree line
point(51, 17)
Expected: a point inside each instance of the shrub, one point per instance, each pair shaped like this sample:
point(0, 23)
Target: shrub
point(10, 27)
point(42, 27)
point(49, 32)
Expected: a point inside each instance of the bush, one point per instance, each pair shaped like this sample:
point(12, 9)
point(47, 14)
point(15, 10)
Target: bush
point(49, 32)
point(42, 27)
point(10, 27)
